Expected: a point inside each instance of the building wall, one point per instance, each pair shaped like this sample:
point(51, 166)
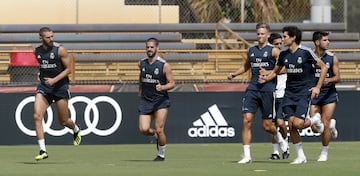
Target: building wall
point(83, 12)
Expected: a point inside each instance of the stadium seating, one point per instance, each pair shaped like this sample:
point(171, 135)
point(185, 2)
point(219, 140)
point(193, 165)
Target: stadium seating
point(108, 53)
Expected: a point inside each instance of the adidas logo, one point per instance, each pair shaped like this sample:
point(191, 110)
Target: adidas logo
point(211, 124)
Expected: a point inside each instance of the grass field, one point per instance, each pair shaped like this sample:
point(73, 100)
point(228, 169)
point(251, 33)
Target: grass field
point(181, 159)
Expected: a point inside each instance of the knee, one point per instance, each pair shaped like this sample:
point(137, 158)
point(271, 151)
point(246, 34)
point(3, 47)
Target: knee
point(37, 117)
point(159, 130)
point(247, 122)
point(143, 130)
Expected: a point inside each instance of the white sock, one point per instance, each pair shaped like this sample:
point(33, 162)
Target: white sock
point(299, 150)
point(41, 143)
point(279, 137)
point(324, 150)
point(161, 151)
point(76, 129)
point(156, 136)
point(247, 151)
point(276, 148)
point(312, 119)
point(331, 126)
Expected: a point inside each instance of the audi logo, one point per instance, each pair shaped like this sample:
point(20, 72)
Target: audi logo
point(90, 121)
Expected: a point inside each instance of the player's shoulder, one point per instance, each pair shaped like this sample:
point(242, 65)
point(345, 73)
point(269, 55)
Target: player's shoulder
point(56, 44)
point(329, 53)
point(305, 48)
point(162, 60)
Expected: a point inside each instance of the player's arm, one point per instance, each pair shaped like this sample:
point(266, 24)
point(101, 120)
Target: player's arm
point(336, 72)
point(139, 91)
point(66, 61)
point(276, 53)
point(242, 69)
point(316, 90)
point(169, 77)
point(268, 75)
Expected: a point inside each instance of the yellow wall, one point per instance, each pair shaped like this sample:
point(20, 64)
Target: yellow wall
point(87, 12)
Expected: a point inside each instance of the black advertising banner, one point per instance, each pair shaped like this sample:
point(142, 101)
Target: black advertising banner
point(112, 118)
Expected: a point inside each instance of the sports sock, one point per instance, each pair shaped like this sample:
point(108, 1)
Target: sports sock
point(279, 137)
point(276, 148)
point(331, 126)
point(299, 150)
point(155, 135)
point(312, 119)
point(161, 151)
point(76, 129)
point(324, 150)
point(41, 143)
point(247, 151)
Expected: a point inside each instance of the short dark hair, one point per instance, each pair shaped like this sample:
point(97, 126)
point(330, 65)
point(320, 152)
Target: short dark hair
point(317, 35)
point(293, 31)
point(263, 25)
point(274, 36)
point(153, 40)
point(44, 29)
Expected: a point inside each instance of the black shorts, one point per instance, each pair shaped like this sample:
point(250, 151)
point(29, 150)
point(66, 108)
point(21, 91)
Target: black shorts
point(52, 94)
point(254, 100)
point(325, 98)
point(296, 106)
point(278, 109)
point(148, 107)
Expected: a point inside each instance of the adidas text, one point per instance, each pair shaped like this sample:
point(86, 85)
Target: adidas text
point(211, 131)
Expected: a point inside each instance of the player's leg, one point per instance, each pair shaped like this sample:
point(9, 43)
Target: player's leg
point(302, 112)
point(64, 120)
point(144, 125)
point(40, 106)
point(296, 139)
point(275, 155)
point(267, 108)
point(284, 132)
point(250, 106)
point(246, 137)
point(296, 114)
point(159, 122)
point(145, 116)
point(269, 127)
point(327, 112)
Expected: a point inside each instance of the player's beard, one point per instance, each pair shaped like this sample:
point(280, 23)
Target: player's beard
point(151, 54)
point(49, 44)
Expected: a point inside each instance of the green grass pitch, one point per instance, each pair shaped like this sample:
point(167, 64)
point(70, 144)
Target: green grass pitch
point(181, 159)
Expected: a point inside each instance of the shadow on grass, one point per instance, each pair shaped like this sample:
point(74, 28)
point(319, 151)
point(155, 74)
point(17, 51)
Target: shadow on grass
point(264, 161)
point(139, 160)
point(43, 162)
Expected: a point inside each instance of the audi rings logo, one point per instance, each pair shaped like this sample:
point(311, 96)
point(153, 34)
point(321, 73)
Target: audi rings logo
point(90, 121)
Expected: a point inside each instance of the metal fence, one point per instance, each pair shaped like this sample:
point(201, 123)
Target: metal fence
point(190, 11)
point(249, 11)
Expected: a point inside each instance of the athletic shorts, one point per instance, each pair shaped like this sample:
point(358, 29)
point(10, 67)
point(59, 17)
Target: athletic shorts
point(296, 106)
point(325, 98)
point(254, 100)
point(148, 107)
point(54, 94)
point(278, 109)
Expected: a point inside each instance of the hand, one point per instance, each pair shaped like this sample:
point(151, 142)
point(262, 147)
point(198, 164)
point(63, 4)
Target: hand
point(263, 71)
point(159, 87)
point(263, 75)
point(230, 76)
point(326, 81)
point(314, 92)
point(49, 81)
